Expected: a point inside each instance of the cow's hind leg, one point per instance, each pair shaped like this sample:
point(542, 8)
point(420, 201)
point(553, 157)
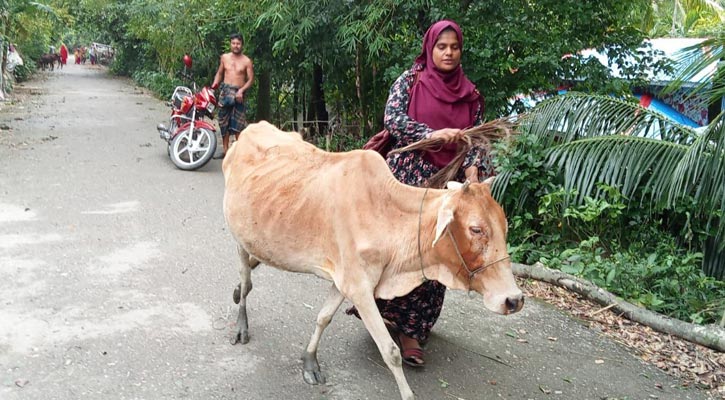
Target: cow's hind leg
point(253, 262)
point(241, 331)
point(311, 368)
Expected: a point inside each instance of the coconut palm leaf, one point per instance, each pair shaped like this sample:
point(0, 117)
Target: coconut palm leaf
point(702, 169)
point(573, 116)
point(594, 139)
point(629, 163)
point(693, 60)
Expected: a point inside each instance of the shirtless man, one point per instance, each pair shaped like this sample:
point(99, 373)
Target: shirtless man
point(236, 75)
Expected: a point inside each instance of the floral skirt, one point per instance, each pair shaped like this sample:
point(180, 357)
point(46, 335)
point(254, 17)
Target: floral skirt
point(415, 313)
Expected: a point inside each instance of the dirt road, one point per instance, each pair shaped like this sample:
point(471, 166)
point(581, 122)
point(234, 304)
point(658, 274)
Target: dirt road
point(116, 275)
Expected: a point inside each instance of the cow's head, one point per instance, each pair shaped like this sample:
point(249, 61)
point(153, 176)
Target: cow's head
point(471, 234)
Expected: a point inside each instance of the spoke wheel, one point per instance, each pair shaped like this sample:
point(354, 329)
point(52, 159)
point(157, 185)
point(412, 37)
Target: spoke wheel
point(190, 151)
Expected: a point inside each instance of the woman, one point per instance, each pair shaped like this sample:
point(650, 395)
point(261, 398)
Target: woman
point(63, 55)
point(433, 99)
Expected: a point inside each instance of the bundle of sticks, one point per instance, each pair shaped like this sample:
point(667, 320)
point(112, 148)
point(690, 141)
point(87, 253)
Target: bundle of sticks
point(478, 136)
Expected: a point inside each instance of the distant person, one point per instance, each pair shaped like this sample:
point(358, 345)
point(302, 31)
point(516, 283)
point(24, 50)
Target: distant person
point(63, 55)
point(236, 75)
point(77, 55)
point(92, 54)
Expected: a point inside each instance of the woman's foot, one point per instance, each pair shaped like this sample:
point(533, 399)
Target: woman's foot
point(411, 351)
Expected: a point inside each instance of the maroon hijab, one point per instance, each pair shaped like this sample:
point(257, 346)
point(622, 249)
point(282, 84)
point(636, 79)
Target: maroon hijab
point(442, 99)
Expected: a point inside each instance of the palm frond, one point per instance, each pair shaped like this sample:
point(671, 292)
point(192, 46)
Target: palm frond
point(574, 116)
point(693, 60)
point(625, 162)
point(702, 171)
point(594, 139)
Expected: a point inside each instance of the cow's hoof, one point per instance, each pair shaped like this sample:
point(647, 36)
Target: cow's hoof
point(313, 377)
point(241, 337)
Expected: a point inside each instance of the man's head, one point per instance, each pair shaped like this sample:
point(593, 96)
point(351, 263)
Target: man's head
point(236, 42)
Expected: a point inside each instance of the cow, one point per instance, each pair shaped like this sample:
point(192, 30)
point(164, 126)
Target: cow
point(48, 60)
point(345, 218)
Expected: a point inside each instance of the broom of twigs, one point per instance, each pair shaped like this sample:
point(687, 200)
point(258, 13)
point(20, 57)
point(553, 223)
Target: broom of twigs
point(477, 136)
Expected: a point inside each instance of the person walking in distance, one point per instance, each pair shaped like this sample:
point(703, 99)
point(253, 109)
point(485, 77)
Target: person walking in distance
point(234, 76)
point(63, 55)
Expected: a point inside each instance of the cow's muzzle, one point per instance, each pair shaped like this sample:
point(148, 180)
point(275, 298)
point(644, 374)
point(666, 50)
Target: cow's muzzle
point(514, 303)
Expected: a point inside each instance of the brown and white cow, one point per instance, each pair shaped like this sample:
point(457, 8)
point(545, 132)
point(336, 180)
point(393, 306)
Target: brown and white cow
point(345, 218)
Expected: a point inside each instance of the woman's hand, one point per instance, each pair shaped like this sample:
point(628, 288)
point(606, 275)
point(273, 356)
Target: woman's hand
point(447, 135)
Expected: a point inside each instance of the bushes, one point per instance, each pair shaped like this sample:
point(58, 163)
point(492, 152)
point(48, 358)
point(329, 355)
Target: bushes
point(606, 240)
point(159, 83)
point(23, 72)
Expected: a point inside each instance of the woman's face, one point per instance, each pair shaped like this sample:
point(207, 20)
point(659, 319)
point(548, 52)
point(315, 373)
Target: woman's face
point(447, 51)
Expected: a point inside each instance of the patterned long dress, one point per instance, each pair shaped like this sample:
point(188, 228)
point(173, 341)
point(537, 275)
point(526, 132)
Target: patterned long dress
point(415, 313)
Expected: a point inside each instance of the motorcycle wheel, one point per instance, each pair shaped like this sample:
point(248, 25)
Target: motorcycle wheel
point(189, 151)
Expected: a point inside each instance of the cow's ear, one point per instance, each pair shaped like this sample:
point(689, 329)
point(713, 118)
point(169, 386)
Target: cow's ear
point(445, 216)
point(452, 185)
point(489, 182)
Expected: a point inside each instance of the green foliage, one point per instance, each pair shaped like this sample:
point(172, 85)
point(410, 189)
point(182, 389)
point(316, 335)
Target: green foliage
point(651, 159)
point(693, 60)
point(340, 142)
point(666, 280)
point(683, 18)
point(161, 84)
point(361, 47)
point(617, 248)
point(648, 256)
point(23, 72)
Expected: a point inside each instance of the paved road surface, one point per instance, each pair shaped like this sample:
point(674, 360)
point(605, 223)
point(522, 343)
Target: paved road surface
point(116, 275)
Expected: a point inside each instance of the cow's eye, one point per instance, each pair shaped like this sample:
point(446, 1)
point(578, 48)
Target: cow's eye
point(476, 230)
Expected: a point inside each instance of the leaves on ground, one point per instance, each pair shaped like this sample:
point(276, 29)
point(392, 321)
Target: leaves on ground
point(693, 364)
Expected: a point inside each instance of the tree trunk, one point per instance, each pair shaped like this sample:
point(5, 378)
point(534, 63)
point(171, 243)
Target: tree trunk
point(3, 63)
point(318, 99)
point(708, 336)
point(4, 51)
point(359, 91)
point(295, 102)
point(264, 88)
point(264, 77)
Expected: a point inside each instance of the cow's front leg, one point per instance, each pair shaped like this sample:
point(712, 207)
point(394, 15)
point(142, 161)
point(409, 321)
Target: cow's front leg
point(241, 329)
point(369, 313)
point(311, 368)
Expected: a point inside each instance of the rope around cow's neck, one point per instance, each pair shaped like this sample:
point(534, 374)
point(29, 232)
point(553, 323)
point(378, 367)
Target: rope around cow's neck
point(420, 252)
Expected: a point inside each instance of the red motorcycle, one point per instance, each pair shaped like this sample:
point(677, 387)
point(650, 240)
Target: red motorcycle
point(191, 139)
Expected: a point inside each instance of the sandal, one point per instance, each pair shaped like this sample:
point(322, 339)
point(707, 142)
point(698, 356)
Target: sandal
point(412, 356)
